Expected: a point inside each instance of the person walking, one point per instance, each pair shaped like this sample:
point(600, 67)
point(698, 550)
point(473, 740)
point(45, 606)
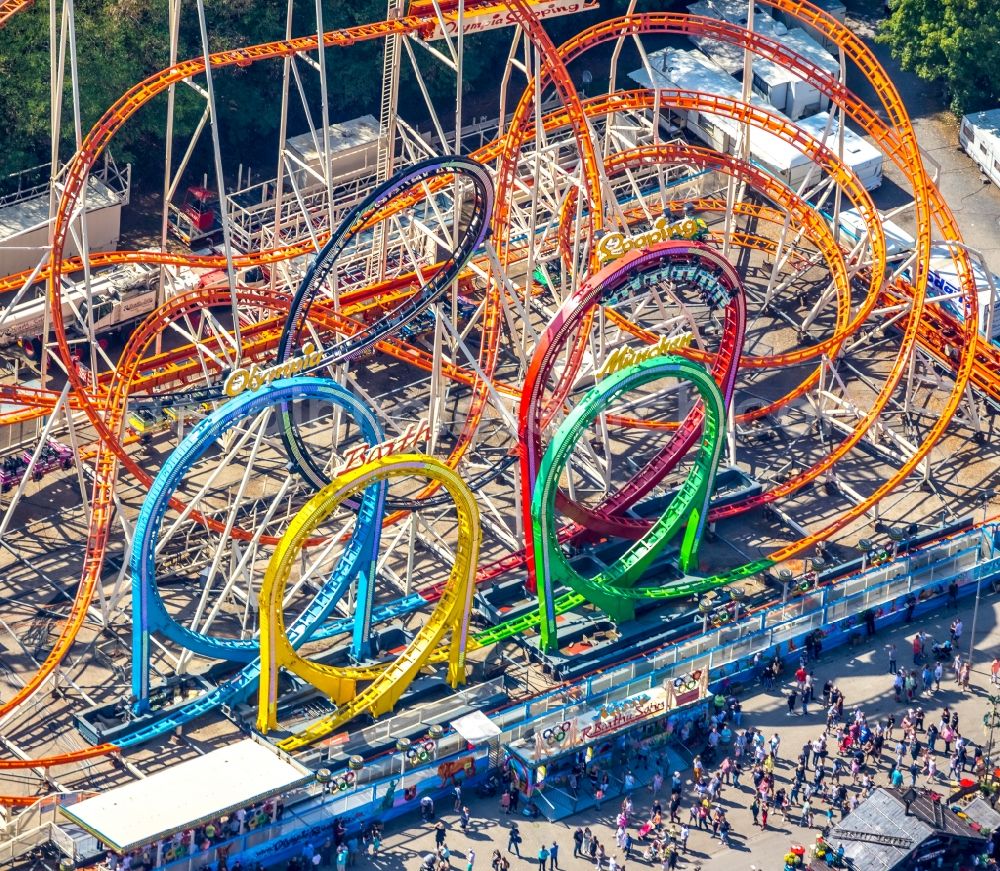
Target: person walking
point(514, 840)
point(792, 697)
point(964, 676)
point(439, 833)
point(938, 674)
point(891, 651)
point(995, 671)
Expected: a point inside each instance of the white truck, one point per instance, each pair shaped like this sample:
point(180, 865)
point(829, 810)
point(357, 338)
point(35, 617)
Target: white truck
point(943, 282)
point(119, 296)
point(980, 138)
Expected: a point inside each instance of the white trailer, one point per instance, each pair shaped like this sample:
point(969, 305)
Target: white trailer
point(860, 155)
point(691, 70)
point(780, 87)
point(943, 283)
point(980, 138)
point(834, 8)
point(787, 162)
point(735, 12)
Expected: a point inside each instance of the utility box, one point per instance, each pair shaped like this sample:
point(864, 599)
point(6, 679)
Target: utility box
point(353, 151)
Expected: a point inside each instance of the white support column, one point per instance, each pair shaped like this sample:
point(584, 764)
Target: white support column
point(220, 182)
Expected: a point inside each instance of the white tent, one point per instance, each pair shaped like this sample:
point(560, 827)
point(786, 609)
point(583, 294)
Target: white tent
point(476, 728)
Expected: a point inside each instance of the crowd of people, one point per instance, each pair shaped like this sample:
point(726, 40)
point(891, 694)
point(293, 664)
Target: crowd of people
point(200, 839)
point(852, 753)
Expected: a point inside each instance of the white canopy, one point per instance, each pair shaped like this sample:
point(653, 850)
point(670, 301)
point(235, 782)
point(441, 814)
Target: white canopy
point(187, 794)
point(476, 727)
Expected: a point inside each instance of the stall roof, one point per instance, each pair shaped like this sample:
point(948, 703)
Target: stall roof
point(889, 826)
point(188, 794)
point(476, 727)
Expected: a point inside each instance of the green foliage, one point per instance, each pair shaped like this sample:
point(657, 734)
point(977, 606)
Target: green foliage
point(121, 42)
point(954, 42)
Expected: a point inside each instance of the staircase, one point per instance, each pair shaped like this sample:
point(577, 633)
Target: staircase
point(386, 134)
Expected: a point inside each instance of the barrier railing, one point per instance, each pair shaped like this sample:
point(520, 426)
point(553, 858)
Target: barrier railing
point(968, 557)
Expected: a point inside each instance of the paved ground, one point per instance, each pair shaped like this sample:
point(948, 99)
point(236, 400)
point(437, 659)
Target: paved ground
point(862, 675)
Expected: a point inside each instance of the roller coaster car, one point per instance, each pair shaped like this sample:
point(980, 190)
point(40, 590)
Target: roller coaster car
point(145, 423)
point(53, 455)
point(424, 322)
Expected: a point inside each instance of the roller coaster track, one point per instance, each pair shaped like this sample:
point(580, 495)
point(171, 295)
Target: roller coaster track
point(479, 208)
point(665, 261)
point(243, 682)
point(451, 612)
point(107, 417)
point(897, 140)
point(150, 613)
point(690, 505)
point(10, 8)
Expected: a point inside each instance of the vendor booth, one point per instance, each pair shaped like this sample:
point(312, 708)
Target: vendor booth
point(612, 737)
point(143, 815)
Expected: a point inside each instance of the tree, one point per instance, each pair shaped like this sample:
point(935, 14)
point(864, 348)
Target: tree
point(953, 42)
point(120, 42)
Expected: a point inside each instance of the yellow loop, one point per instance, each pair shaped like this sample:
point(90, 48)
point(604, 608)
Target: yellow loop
point(340, 683)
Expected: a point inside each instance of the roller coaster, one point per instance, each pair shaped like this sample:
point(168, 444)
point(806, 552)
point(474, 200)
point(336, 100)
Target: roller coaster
point(522, 326)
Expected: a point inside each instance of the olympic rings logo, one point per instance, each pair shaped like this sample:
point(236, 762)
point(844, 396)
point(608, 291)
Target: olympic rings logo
point(687, 682)
point(420, 752)
point(343, 782)
point(557, 734)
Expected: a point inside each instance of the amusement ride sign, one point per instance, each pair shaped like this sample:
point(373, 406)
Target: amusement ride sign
point(500, 16)
point(615, 716)
point(621, 358)
point(256, 377)
point(611, 246)
point(406, 441)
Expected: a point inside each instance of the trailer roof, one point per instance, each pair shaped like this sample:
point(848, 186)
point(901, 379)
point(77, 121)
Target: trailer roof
point(689, 69)
point(31, 213)
point(987, 122)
